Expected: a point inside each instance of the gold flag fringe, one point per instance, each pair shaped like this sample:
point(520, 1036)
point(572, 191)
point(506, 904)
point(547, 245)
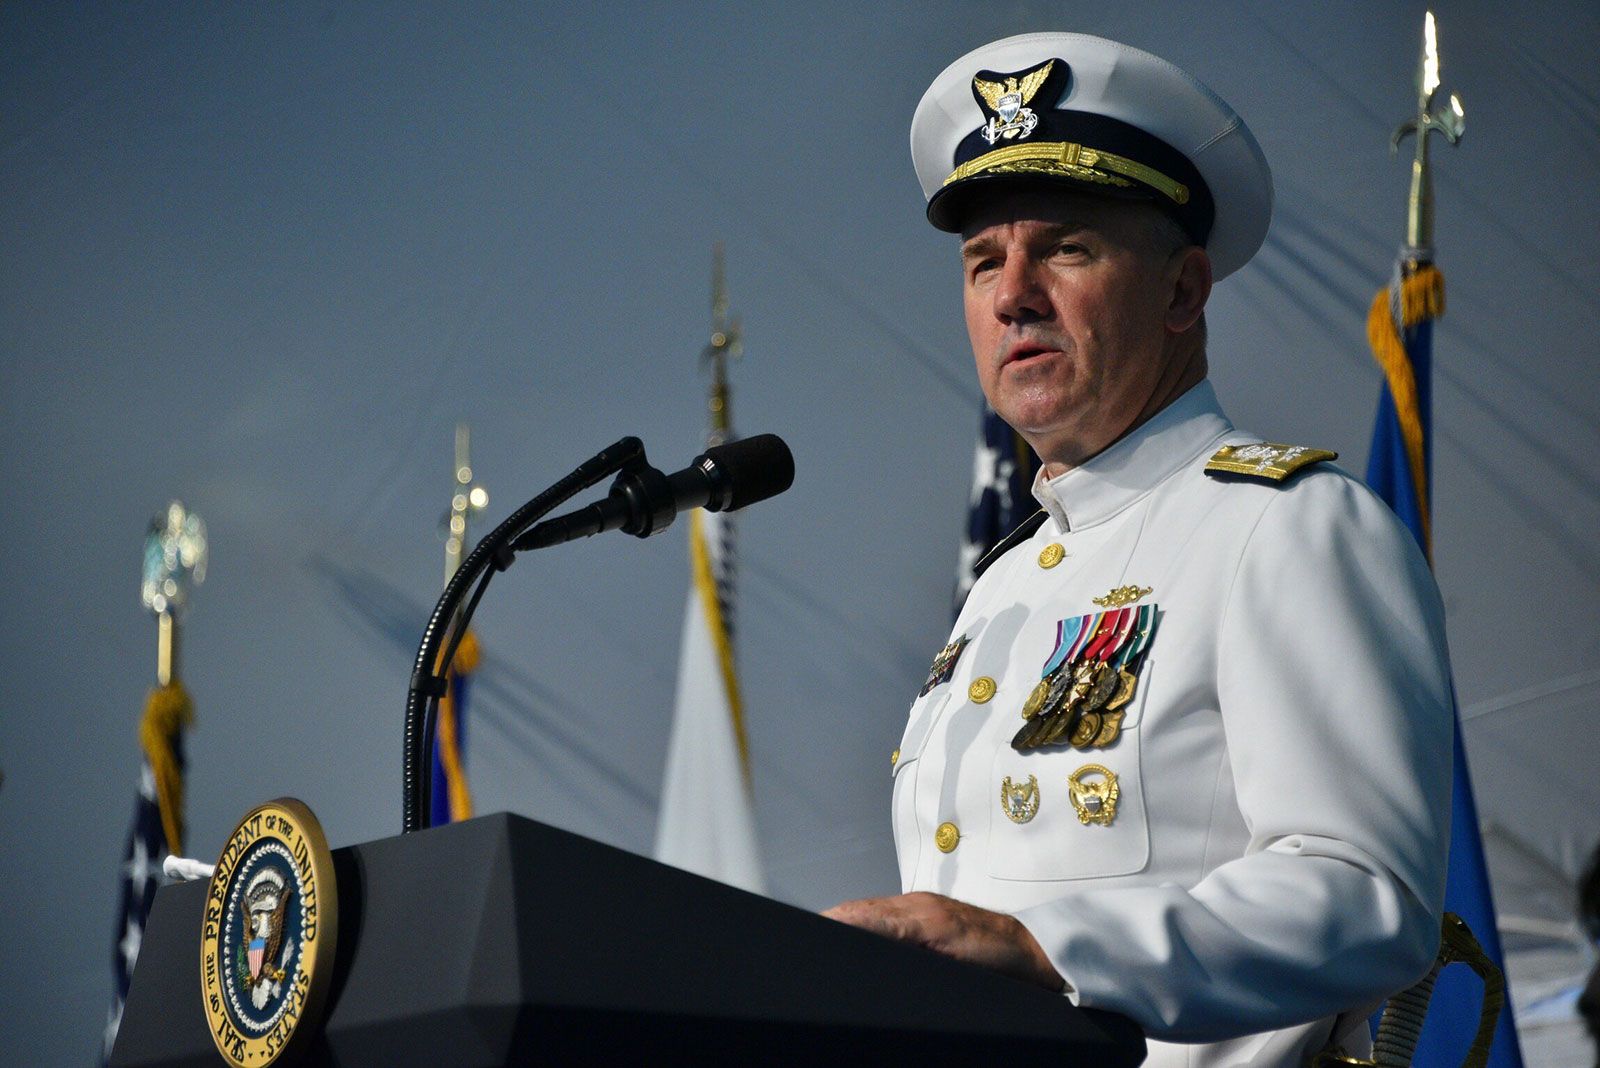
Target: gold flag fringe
point(167, 712)
point(706, 589)
point(1421, 298)
point(468, 656)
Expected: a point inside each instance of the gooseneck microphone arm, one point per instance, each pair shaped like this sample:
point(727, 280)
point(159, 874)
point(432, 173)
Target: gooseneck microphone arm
point(642, 502)
point(422, 697)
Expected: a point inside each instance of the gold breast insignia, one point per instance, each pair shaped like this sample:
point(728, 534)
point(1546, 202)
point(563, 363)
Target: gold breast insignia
point(1020, 801)
point(1123, 596)
point(1095, 793)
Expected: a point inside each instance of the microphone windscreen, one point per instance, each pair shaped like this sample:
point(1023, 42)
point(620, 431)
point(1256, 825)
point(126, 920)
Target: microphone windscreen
point(752, 469)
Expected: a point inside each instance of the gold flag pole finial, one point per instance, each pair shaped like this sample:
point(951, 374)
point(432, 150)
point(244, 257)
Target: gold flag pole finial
point(1448, 120)
point(726, 344)
point(466, 498)
point(174, 564)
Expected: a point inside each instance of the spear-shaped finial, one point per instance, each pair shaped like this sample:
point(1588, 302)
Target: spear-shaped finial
point(466, 498)
point(725, 345)
point(1449, 121)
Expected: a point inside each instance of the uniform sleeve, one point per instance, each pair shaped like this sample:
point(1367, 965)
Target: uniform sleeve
point(1334, 691)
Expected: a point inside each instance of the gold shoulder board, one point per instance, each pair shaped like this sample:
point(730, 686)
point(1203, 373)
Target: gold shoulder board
point(1265, 460)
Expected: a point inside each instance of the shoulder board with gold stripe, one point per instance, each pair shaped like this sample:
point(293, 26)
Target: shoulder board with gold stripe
point(1023, 532)
point(1265, 460)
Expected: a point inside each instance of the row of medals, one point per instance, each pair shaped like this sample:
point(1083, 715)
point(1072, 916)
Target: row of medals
point(1080, 704)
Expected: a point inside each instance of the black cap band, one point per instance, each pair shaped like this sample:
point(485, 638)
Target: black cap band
point(1095, 153)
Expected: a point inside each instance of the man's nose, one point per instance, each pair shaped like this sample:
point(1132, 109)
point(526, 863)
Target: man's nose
point(1020, 295)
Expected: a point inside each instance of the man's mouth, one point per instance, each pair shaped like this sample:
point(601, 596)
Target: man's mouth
point(1023, 351)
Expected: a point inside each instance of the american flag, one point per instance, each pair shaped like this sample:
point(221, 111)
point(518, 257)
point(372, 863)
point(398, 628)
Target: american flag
point(1002, 496)
point(147, 843)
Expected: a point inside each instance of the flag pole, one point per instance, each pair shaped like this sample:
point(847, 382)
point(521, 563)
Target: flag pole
point(452, 798)
point(1400, 330)
point(175, 554)
point(1400, 322)
point(726, 344)
point(467, 498)
point(166, 648)
point(706, 823)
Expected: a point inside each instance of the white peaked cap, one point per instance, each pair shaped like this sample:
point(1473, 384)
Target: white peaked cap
point(1108, 119)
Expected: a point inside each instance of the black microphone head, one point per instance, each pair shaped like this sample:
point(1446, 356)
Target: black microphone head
point(746, 471)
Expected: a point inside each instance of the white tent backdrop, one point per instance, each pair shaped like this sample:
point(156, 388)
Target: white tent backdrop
point(264, 258)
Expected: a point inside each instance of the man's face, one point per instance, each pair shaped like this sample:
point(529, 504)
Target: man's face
point(1068, 303)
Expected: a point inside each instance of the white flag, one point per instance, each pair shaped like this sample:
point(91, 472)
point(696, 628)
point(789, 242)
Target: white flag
point(707, 823)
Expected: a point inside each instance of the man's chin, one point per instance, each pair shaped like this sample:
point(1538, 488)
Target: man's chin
point(1051, 430)
point(1038, 418)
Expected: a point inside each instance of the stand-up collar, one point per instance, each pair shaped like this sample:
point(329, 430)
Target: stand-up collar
point(1097, 490)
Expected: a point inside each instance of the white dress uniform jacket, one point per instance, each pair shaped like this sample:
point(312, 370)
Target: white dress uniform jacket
point(1276, 862)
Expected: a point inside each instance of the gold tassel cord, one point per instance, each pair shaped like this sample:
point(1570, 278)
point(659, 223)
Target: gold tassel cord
point(1421, 298)
point(468, 655)
point(167, 712)
point(706, 586)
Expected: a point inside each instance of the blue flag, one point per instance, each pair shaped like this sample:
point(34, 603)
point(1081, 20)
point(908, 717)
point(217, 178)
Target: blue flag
point(452, 799)
point(1400, 329)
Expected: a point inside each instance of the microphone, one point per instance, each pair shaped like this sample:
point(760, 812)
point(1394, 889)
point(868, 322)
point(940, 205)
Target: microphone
point(643, 501)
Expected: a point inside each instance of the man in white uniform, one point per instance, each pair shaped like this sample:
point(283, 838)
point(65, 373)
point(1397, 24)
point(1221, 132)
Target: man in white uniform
point(1187, 755)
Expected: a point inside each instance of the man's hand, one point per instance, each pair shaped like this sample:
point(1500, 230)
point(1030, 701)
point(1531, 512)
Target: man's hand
point(955, 929)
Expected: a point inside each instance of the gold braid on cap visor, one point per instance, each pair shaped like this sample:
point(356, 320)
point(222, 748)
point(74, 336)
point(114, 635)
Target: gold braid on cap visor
point(1070, 160)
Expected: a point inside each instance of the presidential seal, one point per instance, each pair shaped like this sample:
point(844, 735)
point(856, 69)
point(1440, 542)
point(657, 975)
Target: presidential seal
point(267, 943)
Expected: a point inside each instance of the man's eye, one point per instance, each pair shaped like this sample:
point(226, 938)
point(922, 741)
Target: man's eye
point(984, 266)
point(1069, 248)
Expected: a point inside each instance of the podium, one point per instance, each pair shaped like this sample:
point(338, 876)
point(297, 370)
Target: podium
point(504, 941)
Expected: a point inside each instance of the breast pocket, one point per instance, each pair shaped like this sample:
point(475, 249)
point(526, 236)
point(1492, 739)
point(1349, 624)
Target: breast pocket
point(1062, 813)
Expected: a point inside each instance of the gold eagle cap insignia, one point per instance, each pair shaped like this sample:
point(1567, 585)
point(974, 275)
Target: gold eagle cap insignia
point(1025, 87)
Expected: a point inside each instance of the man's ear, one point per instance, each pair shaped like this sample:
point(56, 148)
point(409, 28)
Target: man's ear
point(1190, 273)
